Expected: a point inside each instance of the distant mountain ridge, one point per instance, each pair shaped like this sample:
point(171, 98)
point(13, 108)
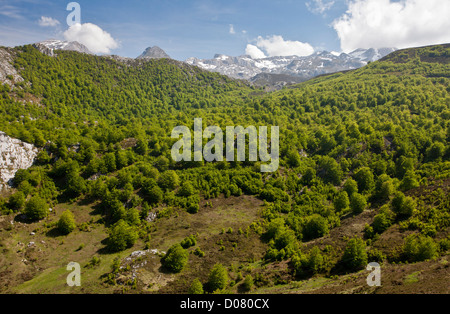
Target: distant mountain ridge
point(290, 68)
point(48, 47)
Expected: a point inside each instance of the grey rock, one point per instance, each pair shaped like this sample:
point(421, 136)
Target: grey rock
point(287, 70)
point(14, 155)
point(48, 47)
point(154, 53)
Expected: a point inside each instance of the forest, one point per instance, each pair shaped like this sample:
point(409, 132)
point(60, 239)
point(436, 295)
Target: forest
point(372, 142)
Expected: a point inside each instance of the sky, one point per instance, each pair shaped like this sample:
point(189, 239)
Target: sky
point(203, 28)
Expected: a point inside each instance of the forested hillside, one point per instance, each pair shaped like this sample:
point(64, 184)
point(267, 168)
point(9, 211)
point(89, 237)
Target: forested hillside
point(364, 177)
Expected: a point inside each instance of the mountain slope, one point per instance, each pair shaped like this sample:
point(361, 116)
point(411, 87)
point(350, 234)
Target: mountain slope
point(364, 177)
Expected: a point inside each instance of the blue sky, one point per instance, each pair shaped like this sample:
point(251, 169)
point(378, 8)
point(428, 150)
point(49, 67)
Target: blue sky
point(202, 28)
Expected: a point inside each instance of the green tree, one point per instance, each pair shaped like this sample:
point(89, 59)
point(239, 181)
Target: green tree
point(341, 201)
point(409, 181)
point(155, 195)
point(218, 278)
point(419, 248)
point(330, 170)
point(66, 223)
point(196, 287)
point(381, 223)
point(293, 158)
point(355, 255)
point(121, 237)
point(364, 178)
point(248, 283)
point(169, 180)
point(403, 206)
point(36, 209)
point(351, 187)
point(315, 227)
point(17, 201)
point(186, 189)
point(175, 259)
point(358, 203)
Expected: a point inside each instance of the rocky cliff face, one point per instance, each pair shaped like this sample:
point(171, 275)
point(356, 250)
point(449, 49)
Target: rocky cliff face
point(8, 73)
point(14, 155)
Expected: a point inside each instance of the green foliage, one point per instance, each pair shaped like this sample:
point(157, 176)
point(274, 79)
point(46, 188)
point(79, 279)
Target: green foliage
point(381, 222)
point(17, 201)
point(358, 203)
point(36, 209)
point(218, 278)
point(365, 180)
point(196, 287)
point(403, 206)
point(189, 242)
point(315, 227)
point(169, 180)
point(66, 223)
point(355, 255)
point(419, 248)
point(351, 187)
point(341, 202)
point(248, 283)
point(175, 259)
point(108, 124)
point(121, 237)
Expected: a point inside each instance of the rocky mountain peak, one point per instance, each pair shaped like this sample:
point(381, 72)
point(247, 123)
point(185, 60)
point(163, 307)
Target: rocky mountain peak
point(154, 53)
point(49, 47)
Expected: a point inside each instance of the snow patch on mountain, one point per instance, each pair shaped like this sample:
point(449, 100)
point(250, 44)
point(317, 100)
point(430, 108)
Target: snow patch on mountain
point(322, 62)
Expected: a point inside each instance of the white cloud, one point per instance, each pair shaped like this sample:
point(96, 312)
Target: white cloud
point(254, 52)
point(277, 46)
point(232, 31)
point(48, 21)
point(92, 36)
point(401, 24)
point(319, 6)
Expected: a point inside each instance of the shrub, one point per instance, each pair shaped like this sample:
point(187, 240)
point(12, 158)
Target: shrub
point(365, 180)
point(341, 201)
point(358, 203)
point(403, 206)
point(315, 260)
point(121, 237)
point(316, 227)
point(186, 189)
point(196, 287)
point(36, 209)
point(218, 278)
point(248, 283)
point(17, 201)
point(381, 223)
point(175, 259)
point(355, 255)
point(169, 180)
point(189, 242)
point(155, 195)
point(420, 248)
point(351, 187)
point(66, 223)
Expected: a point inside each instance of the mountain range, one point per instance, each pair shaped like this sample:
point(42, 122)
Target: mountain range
point(291, 69)
point(276, 71)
